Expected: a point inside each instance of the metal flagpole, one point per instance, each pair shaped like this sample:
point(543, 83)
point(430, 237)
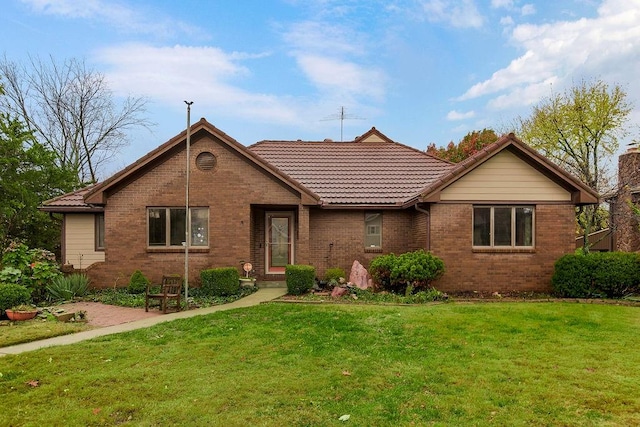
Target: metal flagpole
point(187, 241)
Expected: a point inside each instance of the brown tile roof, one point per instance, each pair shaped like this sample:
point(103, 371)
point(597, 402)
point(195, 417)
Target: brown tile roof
point(355, 173)
point(70, 202)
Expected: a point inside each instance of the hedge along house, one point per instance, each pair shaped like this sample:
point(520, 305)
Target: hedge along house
point(498, 220)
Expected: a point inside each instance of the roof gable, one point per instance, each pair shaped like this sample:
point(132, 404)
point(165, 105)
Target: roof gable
point(373, 135)
point(98, 194)
point(580, 193)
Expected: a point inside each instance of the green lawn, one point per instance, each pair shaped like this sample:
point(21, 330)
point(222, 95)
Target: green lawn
point(506, 364)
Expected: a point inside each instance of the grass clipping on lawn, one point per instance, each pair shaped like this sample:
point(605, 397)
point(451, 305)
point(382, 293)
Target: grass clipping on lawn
point(279, 364)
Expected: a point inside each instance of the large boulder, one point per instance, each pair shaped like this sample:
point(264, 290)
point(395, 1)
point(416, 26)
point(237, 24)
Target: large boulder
point(360, 276)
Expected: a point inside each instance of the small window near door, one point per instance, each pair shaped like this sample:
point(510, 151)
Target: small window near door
point(99, 231)
point(373, 230)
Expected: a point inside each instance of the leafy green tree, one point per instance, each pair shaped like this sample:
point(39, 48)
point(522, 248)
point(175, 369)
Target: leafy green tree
point(469, 145)
point(579, 130)
point(29, 175)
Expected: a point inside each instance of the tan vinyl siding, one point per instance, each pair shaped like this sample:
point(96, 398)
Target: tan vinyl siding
point(505, 178)
point(80, 241)
point(373, 138)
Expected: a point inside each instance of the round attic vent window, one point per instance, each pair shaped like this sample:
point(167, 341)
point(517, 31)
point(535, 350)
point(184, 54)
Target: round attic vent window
point(206, 161)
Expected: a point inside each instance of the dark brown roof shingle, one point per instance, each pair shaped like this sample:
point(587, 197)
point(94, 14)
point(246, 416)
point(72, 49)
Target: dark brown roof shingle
point(355, 173)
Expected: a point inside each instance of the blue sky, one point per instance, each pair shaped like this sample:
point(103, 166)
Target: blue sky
point(420, 71)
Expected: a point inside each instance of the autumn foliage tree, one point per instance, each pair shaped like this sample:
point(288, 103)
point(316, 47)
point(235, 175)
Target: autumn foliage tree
point(469, 145)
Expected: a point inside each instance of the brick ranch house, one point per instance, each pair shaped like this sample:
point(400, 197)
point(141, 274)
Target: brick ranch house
point(498, 220)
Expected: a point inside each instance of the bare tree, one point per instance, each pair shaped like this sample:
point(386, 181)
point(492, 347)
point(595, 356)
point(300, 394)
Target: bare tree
point(70, 108)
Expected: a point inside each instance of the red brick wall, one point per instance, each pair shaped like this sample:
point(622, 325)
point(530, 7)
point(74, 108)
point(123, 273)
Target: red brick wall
point(467, 270)
point(624, 222)
point(337, 237)
point(229, 192)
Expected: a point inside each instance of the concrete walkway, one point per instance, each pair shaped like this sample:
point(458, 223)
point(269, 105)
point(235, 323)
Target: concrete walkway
point(262, 295)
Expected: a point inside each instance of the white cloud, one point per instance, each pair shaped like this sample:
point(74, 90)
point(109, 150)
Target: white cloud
point(312, 36)
point(461, 14)
point(339, 76)
point(456, 115)
point(507, 21)
point(508, 4)
point(561, 51)
point(117, 15)
point(528, 9)
point(334, 59)
point(201, 74)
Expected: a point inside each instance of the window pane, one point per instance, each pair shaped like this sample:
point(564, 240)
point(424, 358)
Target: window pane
point(157, 227)
point(178, 226)
point(502, 226)
point(280, 242)
point(373, 230)
point(524, 226)
point(199, 227)
point(100, 231)
point(481, 226)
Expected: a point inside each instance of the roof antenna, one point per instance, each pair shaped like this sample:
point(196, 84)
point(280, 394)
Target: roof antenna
point(342, 116)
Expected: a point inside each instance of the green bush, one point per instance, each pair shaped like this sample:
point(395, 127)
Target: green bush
point(33, 268)
point(12, 294)
point(65, 288)
point(597, 274)
point(138, 283)
point(334, 274)
point(300, 278)
point(220, 281)
point(396, 272)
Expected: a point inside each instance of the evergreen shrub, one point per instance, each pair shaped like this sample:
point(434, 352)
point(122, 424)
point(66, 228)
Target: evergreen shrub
point(395, 273)
point(597, 274)
point(334, 274)
point(299, 278)
point(138, 283)
point(220, 281)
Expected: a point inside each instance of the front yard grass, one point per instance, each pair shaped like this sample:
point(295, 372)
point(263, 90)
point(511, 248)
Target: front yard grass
point(12, 333)
point(301, 365)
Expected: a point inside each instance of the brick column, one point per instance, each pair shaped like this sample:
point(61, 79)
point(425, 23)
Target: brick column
point(302, 248)
point(624, 221)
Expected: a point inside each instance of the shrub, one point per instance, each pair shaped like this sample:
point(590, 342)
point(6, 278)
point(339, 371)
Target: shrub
point(12, 294)
point(300, 278)
point(33, 268)
point(220, 281)
point(597, 274)
point(380, 269)
point(138, 283)
point(616, 274)
point(416, 269)
point(572, 276)
point(64, 288)
point(334, 274)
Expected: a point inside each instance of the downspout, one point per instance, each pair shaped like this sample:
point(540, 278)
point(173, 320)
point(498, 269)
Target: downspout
point(428, 214)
